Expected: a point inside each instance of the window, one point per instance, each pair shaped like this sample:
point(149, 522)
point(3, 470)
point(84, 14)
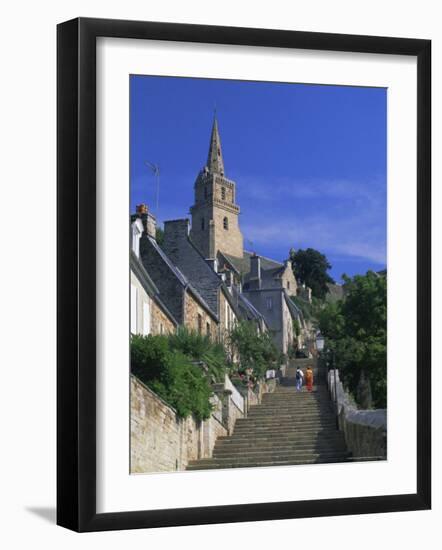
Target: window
point(200, 324)
point(133, 308)
point(269, 303)
point(208, 330)
point(136, 235)
point(226, 223)
point(205, 192)
point(202, 224)
point(288, 285)
point(146, 319)
point(223, 193)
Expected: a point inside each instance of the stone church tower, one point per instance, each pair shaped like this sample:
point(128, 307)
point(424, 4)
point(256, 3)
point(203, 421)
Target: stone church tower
point(215, 225)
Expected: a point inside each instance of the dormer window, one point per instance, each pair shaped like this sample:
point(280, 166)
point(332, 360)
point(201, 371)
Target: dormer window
point(223, 193)
point(137, 230)
point(226, 223)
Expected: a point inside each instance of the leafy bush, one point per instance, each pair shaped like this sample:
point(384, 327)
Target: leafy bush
point(356, 333)
point(200, 348)
point(171, 374)
point(256, 351)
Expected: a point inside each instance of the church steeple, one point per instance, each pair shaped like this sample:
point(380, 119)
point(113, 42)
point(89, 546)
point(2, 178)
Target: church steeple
point(215, 224)
point(215, 163)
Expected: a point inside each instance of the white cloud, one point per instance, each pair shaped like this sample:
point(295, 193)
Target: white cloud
point(349, 221)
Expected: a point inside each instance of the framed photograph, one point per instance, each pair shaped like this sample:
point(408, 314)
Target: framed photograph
point(243, 274)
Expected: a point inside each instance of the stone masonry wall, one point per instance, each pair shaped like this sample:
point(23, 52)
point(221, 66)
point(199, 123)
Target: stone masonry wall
point(160, 321)
point(163, 442)
point(191, 311)
point(365, 430)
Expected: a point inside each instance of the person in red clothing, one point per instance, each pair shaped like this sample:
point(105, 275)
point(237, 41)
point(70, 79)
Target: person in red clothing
point(309, 379)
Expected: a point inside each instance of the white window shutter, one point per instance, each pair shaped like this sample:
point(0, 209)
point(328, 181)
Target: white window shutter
point(146, 318)
point(133, 308)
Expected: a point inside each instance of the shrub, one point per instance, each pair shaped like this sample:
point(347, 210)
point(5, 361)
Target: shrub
point(200, 348)
point(256, 351)
point(171, 374)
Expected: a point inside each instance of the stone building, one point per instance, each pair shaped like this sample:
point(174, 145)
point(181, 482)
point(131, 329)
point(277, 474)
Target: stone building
point(148, 313)
point(201, 274)
point(215, 224)
point(180, 297)
point(262, 286)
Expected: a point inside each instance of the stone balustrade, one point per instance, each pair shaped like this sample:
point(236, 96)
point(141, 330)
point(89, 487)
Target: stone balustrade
point(365, 430)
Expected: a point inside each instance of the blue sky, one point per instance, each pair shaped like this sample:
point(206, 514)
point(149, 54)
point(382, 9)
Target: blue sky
point(309, 161)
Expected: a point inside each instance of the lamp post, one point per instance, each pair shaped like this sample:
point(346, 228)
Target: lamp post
point(320, 341)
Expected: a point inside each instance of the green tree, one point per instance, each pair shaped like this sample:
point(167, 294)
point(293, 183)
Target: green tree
point(256, 351)
point(310, 267)
point(356, 333)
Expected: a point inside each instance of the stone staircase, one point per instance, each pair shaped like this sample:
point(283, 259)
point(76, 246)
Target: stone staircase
point(288, 427)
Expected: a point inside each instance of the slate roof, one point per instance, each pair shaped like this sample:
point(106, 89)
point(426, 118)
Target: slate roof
point(295, 312)
point(253, 313)
point(242, 265)
point(185, 283)
point(148, 285)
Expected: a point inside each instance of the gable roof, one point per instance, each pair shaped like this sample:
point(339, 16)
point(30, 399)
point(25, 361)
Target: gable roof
point(182, 279)
point(242, 265)
point(149, 286)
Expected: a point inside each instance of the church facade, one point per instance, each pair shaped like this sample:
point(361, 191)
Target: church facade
point(267, 284)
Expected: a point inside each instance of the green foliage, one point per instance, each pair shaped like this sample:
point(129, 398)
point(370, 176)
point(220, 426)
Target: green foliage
point(310, 267)
point(255, 350)
point(200, 348)
point(356, 333)
point(171, 374)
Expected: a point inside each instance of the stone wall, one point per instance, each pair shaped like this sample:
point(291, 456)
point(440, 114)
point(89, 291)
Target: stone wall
point(161, 323)
point(192, 309)
point(227, 318)
point(212, 208)
point(365, 430)
point(163, 442)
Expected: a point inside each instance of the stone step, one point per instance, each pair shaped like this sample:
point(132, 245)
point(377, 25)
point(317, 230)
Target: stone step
point(233, 440)
point(283, 434)
point(288, 424)
point(302, 435)
point(288, 414)
point(290, 403)
point(234, 450)
point(268, 461)
point(228, 466)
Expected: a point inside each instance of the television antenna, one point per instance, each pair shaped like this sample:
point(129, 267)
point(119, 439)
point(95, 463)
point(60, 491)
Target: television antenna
point(155, 169)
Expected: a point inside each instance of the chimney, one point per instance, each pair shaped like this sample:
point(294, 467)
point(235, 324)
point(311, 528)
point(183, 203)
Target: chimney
point(149, 221)
point(255, 269)
point(229, 279)
point(213, 263)
point(175, 231)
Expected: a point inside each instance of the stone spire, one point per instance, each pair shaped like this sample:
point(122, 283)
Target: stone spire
point(215, 163)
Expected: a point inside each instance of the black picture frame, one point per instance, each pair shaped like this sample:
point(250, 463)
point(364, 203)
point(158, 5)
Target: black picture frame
point(76, 274)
